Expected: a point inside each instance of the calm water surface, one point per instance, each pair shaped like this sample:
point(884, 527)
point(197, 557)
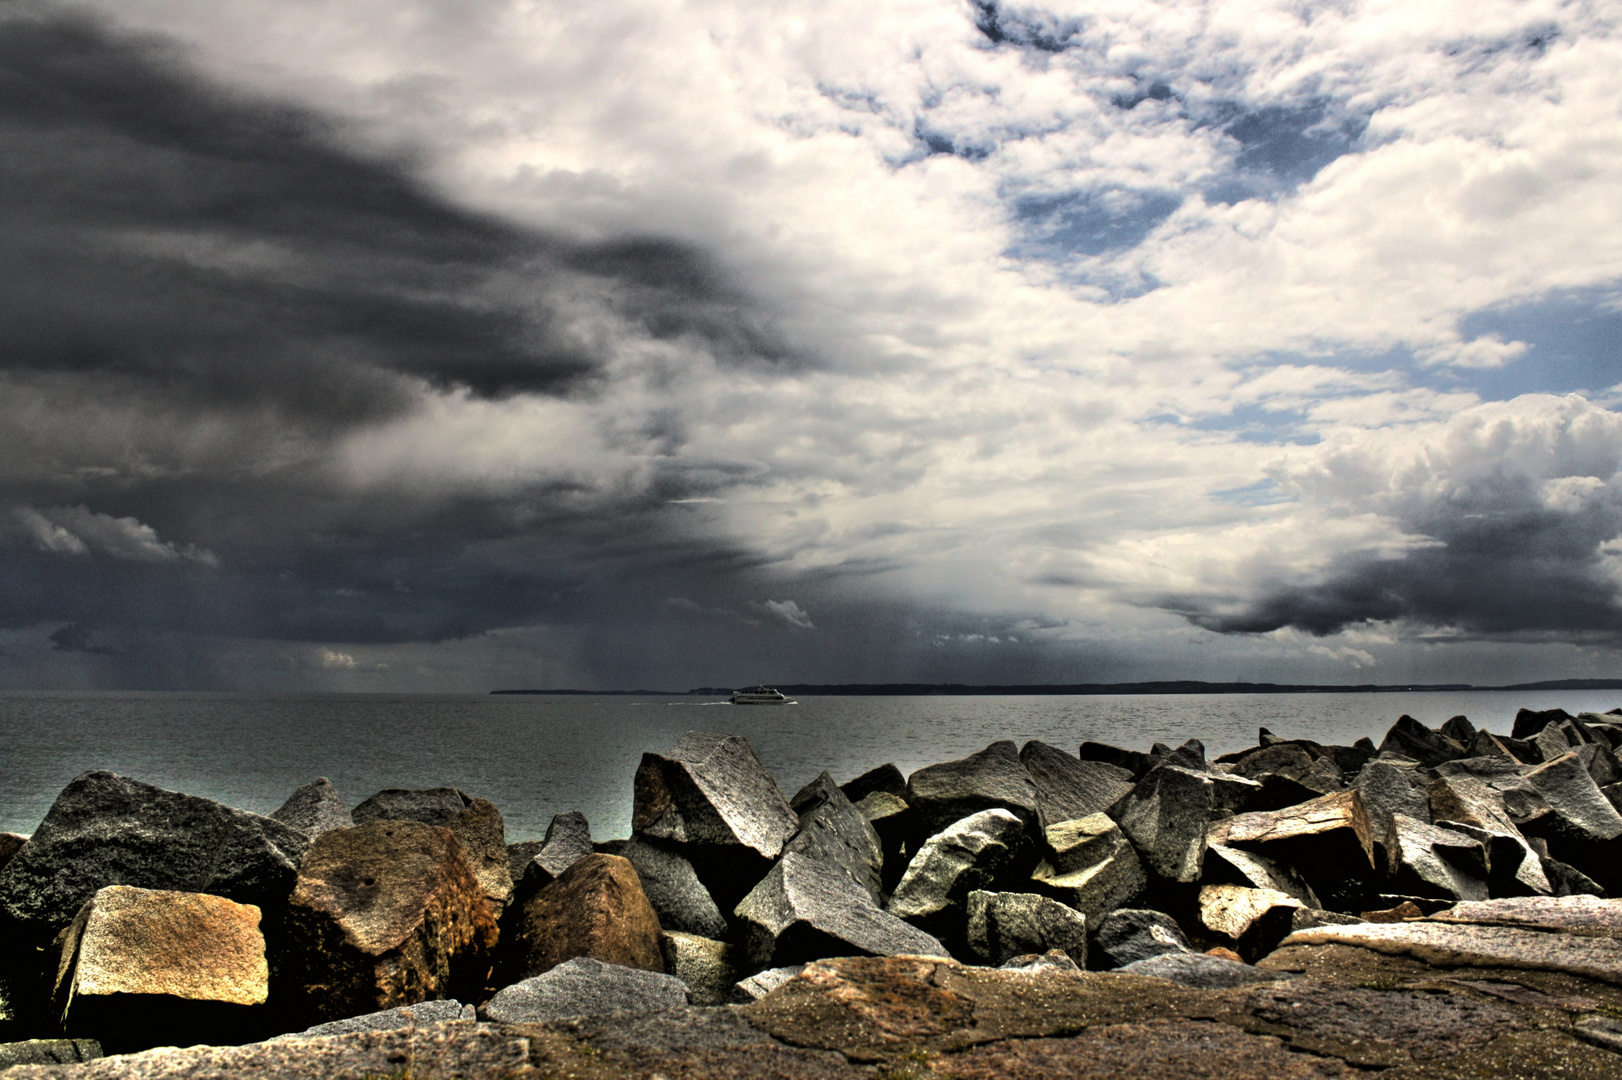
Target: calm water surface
point(537, 756)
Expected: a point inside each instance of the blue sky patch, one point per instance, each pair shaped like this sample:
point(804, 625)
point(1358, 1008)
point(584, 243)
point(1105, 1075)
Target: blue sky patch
point(1089, 222)
point(1282, 147)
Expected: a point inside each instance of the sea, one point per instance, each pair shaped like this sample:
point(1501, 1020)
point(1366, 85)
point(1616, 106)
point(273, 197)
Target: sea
point(539, 755)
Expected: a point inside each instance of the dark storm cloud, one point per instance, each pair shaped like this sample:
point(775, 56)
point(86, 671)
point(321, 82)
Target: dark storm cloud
point(190, 261)
point(1502, 565)
point(233, 250)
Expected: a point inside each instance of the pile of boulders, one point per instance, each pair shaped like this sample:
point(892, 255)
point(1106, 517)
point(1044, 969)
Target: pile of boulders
point(136, 916)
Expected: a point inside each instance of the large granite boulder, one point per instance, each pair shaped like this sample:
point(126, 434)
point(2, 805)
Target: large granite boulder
point(709, 969)
point(1231, 866)
point(710, 796)
point(144, 967)
point(807, 908)
point(1135, 762)
point(1528, 722)
point(980, 851)
point(406, 1016)
point(1386, 788)
point(384, 914)
point(476, 822)
point(1165, 817)
point(1091, 868)
point(680, 900)
point(1068, 788)
point(886, 778)
point(584, 987)
point(994, 778)
point(891, 819)
point(1248, 921)
point(315, 808)
point(596, 909)
point(10, 844)
point(1132, 934)
point(1199, 970)
point(1582, 828)
point(1414, 740)
point(1003, 925)
point(1468, 804)
point(105, 829)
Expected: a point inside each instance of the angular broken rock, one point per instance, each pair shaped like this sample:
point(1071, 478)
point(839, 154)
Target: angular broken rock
point(1466, 801)
point(1583, 813)
point(596, 909)
point(978, 852)
point(710, 789)
point(584, 987)
point(1250, 921)
point(1318, 838)
point(1424, 860)
point(679, 899)
point(1068, 788)
point(806, 909)
point(834, 831)
point(567, 841)
point(1412, 739)
point(1165, 817)
point(762, 983)
point(426, 806)
point(1231, 866)
point(476, 822)
point(709, 969)
point(10, 844)
point(1282, 759)
point(314, 808)
point(385, 914)
point(1585, 916)
point(886, 778)
point(142, 966)
point(105, 829)
point(1385, 789)
point(1200, 971)
point(891, 819)
point(1132, 934)
point(1003, 925)
point(994, 778)
point(1104, 870)
point(406, 1016)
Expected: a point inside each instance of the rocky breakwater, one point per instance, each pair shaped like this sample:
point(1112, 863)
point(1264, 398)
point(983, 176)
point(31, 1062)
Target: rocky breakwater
point(1433, 906)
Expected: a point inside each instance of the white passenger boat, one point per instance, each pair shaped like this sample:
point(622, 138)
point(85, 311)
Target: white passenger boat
point(761, 695)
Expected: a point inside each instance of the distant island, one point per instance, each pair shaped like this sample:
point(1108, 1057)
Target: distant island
point(1179, 686)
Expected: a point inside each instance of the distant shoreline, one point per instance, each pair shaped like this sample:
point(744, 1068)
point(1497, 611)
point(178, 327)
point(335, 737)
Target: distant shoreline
point(1184, 686)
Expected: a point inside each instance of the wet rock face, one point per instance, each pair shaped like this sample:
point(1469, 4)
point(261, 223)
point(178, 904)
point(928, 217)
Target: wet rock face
point(141, 967)
point(1414, 740)
point(711, 790)
point(315, 808)
point(1165, 816)
point(833, 830)
point(106, 829)
point(597, 909)
point(385, 914)
point(995, 778)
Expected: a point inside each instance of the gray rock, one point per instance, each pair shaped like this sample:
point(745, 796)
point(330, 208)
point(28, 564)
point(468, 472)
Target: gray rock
point(1068, 788)
point(886, 778)
point(520, 853)
point(48, 1052)
point(1038, 964)
point(1424, 860)
point(1132, 934)
point(762, 983)
point(1231, 866)
point(1613, 795)
point(807, 909)
point(314, 809)
point(429, 806)
point(1133, 761)
point(1249, 921)
point(1200, 971)
point(1468, 804)
point(1585, 916)
point(977, 852)
point(1529, 722)
point(1414, 740)
point(1319, 839)
point(678, 897)
point(584, 987)
point(1600, 763)
point(1281, 759)
point(1003, 925)
point(407, 1016)
point(1459, 729)
point(833, 830)
point(710, 796)
point(1114, 881)
point(106, 829)
point(1083, 842)
point(993, 778)
point(708, 968)
point(1581, 827)
point(891, 819)
point(1385, 789)
point(567, 841)
point(1485, 744)
point(1165, 818)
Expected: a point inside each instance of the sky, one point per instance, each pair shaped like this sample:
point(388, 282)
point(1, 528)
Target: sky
point(449, 345)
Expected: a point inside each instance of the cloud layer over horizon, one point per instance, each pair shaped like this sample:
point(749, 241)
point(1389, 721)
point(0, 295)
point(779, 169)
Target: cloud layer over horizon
point(454, 344)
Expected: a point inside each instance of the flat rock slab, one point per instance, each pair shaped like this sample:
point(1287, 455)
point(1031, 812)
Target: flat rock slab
point(48, 1052)
point(584, 987)
point(1201, 971)
point(407, 1016)
point(1587, 916)
point(1452, 945)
